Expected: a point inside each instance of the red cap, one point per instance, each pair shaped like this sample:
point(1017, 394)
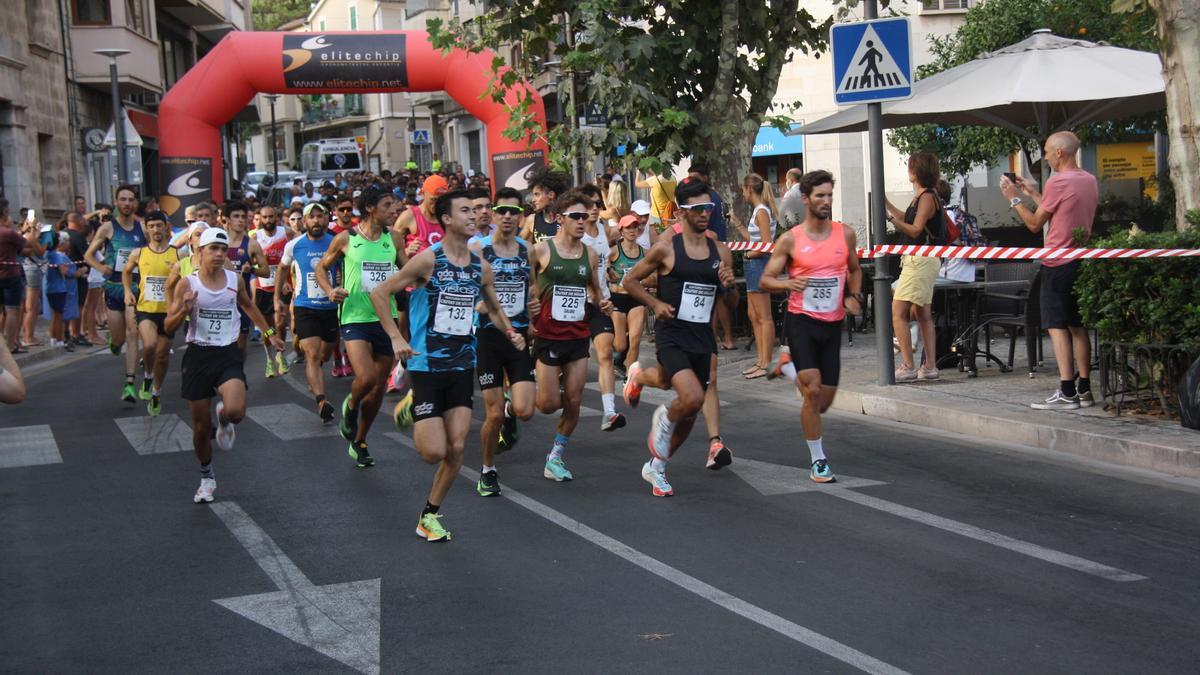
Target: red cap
point(435, 186)
point(628, 221)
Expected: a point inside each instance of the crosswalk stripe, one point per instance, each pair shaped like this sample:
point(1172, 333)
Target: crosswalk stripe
point(290, 422)
point(155, 435)
point(28, 446)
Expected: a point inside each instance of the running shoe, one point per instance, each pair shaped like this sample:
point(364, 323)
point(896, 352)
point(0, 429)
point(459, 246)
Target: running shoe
point(430, 528)
point(129, 393)
point(398, 380)
point(785, 357)
point(147, 389)
point(719, 456)
point(488, 485)
point(659, 440)
point(821, 473)
point(555, 470)
point(510, 433)
point(154, 407)
point(906, 374)
point(299, 359)
point(1058, 401)
point(115, 349)
point(659, 487)
point(1086, 400)
point(924, 373)
point(612, 422)
point(281, 365)
point(633, 390)
point(358, 451)
point(226, 431)
point(270, 368)
point(349, 425)
point(402, 414)
point(204, 493)
point(325, 410)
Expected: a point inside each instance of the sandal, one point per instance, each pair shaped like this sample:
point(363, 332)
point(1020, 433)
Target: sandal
point(751, 369)
point(759, 371)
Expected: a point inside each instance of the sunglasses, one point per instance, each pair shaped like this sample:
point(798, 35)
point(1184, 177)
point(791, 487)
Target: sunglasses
point(508, 210)
point(706, 207)
point(344, 209)
point(577, 215)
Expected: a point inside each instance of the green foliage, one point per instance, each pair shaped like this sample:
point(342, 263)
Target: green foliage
point(271, 14)
point(1152, 301)
point(674, 76)
point(995, 24)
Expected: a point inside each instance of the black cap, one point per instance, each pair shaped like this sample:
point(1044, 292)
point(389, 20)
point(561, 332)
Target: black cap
point(156, 215)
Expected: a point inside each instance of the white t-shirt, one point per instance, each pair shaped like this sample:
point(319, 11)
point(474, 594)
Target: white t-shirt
point(599, 244)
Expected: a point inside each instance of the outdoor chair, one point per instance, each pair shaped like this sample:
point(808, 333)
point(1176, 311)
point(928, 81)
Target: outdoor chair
point(1018, 311)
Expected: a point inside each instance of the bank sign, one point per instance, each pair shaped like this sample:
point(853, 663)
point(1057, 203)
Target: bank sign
point(771, 142)
point(369, 62)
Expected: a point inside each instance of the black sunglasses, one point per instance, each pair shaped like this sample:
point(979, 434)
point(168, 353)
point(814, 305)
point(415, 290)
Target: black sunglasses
point(508, 210)
point(577, 215)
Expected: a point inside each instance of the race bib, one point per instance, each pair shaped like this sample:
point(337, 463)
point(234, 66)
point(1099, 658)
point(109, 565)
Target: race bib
point(455, 314)
point(216, 326)
point(154, 289)
point(512, 296)
point(122, 259)
point(567, 303)
point(375, 273)
point(696, 304)
point(269, 280)
point(312, 289)
point(822, 294)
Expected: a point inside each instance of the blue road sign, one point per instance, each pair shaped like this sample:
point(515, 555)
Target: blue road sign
point(872, 61)
point(420, 137)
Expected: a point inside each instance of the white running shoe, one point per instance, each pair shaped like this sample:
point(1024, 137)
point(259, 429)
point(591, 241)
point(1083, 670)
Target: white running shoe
point(205, 492)
point(225, 432)
point(657, 480)
point(659, 441)
point(612, 421)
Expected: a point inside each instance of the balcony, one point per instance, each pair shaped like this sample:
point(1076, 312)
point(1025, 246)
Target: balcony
point(211, 18)
point(329, 113)
point(138, 72)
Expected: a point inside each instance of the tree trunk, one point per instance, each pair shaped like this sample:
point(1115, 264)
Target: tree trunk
point(1179, 47)
point(730, 162)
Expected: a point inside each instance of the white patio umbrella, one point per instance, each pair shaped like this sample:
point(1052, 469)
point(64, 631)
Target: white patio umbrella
point(1043, 82)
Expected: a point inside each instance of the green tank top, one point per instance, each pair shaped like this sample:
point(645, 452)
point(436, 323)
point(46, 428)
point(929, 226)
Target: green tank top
point(563, 272)
point(366, 265)
point(186, 267)
point(624, 263)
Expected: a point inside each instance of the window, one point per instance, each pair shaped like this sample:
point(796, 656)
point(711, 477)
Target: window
point(353, 17)
point(91, 12)
point(321, 25)
point(945, 5)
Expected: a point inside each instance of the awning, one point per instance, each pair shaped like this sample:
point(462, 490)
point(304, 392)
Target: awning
point(771, 141)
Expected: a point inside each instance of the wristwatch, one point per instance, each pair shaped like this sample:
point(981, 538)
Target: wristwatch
point(270, 332)
point(1014, 202)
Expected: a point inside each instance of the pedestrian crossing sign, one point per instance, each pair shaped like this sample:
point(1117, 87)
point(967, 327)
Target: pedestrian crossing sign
point(872, 61)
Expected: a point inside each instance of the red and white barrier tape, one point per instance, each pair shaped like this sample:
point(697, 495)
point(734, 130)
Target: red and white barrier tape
point(998, 252)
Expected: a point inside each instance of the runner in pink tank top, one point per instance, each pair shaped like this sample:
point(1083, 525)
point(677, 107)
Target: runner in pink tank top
point(428, 232)
point(823, 262)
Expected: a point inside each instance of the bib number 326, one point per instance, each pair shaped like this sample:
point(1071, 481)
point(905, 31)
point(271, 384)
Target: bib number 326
point(375, 273)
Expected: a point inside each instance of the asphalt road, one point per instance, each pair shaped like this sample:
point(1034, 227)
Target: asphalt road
point(945, 555)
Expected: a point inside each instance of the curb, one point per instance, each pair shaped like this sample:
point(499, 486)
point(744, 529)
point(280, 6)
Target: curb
point(29, 359)
point(1148, 454)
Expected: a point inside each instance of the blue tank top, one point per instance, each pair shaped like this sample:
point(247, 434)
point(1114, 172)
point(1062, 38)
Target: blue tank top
point(122, 243)
point(241, 254)
point(441, 315)
point(306, 252)
point(510, 277)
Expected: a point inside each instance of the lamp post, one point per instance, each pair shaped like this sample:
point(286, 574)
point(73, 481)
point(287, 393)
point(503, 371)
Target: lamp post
point(412, 127)
point(118, 118)
point(274, 141)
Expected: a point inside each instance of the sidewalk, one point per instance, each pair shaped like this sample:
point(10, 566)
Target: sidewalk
point(995, 406)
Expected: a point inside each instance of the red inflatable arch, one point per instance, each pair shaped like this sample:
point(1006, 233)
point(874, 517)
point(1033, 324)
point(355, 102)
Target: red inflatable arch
point(246, 63)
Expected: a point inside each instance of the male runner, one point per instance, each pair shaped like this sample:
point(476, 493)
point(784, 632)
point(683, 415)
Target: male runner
point(496, 358)
point(316, 315)
point(420, 230)
point(542, 224)
point(119, 237)
point(345, 221)
point(244, 255)
point(481, 200)
point(212, 364)
point(690, 267)
point(449, 280)
point(369, 254)
point(566, 280)
point(153, 263)
point(820, 260)
point(272, 239)
point(600, 324)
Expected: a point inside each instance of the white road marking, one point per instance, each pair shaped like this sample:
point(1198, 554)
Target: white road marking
point(340, 621)
point(154, 435)
point(28, 446)
point(290, 422)
point(777, 479)
point(693, 585)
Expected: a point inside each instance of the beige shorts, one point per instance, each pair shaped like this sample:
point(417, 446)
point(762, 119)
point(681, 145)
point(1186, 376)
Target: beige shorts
point(917, 276)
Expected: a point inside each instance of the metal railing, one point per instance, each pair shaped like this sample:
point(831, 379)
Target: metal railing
point(1143, 378)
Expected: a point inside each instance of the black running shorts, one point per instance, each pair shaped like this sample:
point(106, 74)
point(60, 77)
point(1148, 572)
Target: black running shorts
point(435, 392)
point(496, 358)
point(816, 345)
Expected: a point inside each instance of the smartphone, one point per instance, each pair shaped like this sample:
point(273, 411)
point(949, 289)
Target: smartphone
point(1011, 176)
point(30, 216)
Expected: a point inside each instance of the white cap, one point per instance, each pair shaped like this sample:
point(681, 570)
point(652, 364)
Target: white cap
point(250, 194)
point(640, 207)
point(618, 178)
point(214, 235)
point(197, 226)
point(297, 201)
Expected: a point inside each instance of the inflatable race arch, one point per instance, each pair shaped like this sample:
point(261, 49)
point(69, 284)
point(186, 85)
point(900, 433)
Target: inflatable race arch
point(244, 64)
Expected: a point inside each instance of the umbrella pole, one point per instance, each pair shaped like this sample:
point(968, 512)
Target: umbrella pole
point(882, 291)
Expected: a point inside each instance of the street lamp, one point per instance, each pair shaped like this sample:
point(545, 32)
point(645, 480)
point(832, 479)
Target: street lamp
point(274, 140)
point(118, 118)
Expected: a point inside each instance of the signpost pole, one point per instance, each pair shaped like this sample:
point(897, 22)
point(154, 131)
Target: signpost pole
point(883, 278)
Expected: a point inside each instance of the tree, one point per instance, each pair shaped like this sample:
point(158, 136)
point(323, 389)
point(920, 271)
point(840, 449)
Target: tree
point(271, 14)
point(991, 25)
point(675, 77)
point(1177, 24)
